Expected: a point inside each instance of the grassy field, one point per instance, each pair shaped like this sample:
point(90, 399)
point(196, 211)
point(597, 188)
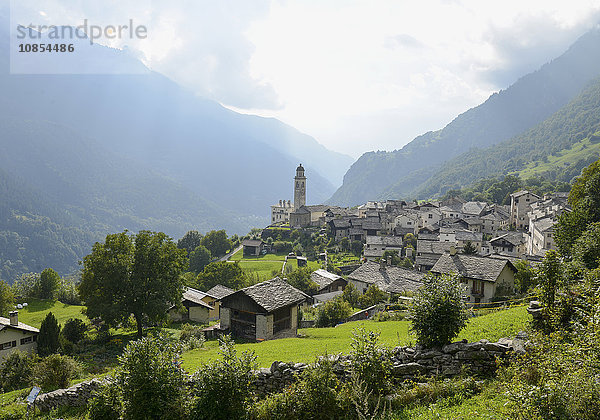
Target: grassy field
point(265, 265)
point(239, 256)
point(318, 341)
point(37, 309)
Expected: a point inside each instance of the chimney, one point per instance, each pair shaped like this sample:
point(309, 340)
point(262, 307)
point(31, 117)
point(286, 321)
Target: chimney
point(382, 264)
point(389, 260)
point(452, 250)
point(14, 318)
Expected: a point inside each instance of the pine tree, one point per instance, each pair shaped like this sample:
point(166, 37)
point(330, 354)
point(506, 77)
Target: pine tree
point(47, 340)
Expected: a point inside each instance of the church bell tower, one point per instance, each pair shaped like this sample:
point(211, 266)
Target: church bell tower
point(299, 188)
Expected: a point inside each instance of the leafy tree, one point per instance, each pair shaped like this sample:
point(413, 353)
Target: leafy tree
point(372, 296)
point(55, 371)
point(17, 369)
point(410, 240)
point(27, 285)
point(549, 276)
point(74, 330)
point(132, 274)
point(223, 388)
point(199, 258)
point(190, 241)
point(150, 380)
point(525, 276)
point(49, 283)
point(48, 337)
point(587, 247)
point(7, 298)
point(469, 248)
point(356, 247)
point(332, 313)
point(221, 272)
point(282, 247)
point(393, 254)
point(300, 279)
point(216, 242)
point(351, 295)
point(345, 244)
point(438, 311)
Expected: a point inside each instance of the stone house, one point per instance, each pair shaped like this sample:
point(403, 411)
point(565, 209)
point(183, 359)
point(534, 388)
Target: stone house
point(328, 282)
point(541, 236)
point(429, 252)
point(217, 293)
point(253, 247)
point(520, 204)
point(197, 307)
point(508, 243)
point(264, 311)
point(464, 236)
point(484, 276)
point(390, 279)
point(377, 245)
point(493, 222)
point(408, 221)
point(15, 335)
point(280, 213)
point(429, 216)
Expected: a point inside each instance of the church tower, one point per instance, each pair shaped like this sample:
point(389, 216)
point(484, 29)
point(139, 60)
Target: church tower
point(299, 188)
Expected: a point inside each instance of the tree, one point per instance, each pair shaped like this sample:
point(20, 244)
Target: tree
point(549, 275)
point(438, 311)
point(393, 254)
point(55, 371)
point(216, 242)
point(300, 279)
point(587, 247)
point(49, 282)
point(7, 298)
point(132, 274)
point(469, 248)
point(333, 312)
point(345, 244)
point(372, 296)
point(199, 258)
point(525, 276)
point(190, 241)
point(151, 381)
point(356, 247)
point(221, 272)
point(74, 330)
point(351, 295)
point(48, 338)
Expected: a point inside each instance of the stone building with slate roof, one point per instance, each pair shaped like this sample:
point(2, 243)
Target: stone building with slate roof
point(328, 282)
point(429, 252)
point(197, 307)
point(483, 275)
point(15, 335)
point(390, 279)
point(264, 311)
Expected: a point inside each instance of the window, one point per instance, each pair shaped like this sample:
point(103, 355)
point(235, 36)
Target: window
point(430, 216)
point(26, 340)
point(8, 345)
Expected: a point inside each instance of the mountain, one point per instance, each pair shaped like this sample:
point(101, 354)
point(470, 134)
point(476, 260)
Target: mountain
point(557, 148)
point(528, 102)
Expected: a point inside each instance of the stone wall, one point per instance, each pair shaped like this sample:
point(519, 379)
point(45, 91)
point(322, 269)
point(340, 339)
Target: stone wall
point(408, 363)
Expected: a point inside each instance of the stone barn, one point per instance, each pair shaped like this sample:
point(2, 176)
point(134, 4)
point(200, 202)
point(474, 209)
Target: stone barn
point(263, 311)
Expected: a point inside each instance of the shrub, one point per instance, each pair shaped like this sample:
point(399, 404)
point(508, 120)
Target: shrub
point(150, 380)
point(48, 338)
point(192, 336)
point(438, 312)
point(106, 403)
point(370, 362)
point(332, 312)
point(223, 389)
point(372, 296)
point(74, 330)
point(351, 295)
point(17, 370)
point(55, 371)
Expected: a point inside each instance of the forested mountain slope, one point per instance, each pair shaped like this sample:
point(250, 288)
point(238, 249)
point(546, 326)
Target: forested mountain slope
point(526, 103)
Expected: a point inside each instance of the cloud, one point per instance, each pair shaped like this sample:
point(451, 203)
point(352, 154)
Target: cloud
point(403, 40)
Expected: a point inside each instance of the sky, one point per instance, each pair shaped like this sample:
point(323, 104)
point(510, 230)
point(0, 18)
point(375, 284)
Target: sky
point(358, 75)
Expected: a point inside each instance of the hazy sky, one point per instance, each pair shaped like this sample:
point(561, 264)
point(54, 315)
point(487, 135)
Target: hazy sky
point(357, 75)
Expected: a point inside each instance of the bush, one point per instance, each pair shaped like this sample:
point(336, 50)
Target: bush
point(192, 337)
point(48, 341)
point(370, 363)
point(372, 296)
point(351, 295)
point(106, 404)
point(150, 380)
point(55, 371)
point(438, 312)
point(17, 370)
point(223, 389)
point(332, 312)
point(74, 330)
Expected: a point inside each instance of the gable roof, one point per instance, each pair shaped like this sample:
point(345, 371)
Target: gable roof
point(391, 241)
point(390, 279)
point(465, 235)
point(433, 247)
point(219, 291)
point(195, 296)
point(5, 323)
point(471, 266)
point(324, 278)
point(252, 242)
point(272, 294)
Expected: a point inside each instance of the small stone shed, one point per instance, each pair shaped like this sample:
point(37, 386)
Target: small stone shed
point(252, 247)
point(194, 307)
point(263, 311)
point(328, 282)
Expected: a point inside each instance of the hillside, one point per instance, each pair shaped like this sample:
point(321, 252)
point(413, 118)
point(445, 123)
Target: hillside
point(558, 148)
point(505, 114)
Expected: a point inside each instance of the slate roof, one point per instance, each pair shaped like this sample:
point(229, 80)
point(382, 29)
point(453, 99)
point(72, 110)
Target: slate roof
point(273, 294)
point(464, 235)
point(433, 247)
point(340, 223)
point(324, 278)
point(5, 323)
point(252, 242)
point(474, 207)
point(392, 241)
point(523, 192)
point(372, 225)
point(317, 208)
point(471, 266)
point(195, 296)
point(219, 291)
point(324, 297)
point(390, 279)
point(544, 224)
